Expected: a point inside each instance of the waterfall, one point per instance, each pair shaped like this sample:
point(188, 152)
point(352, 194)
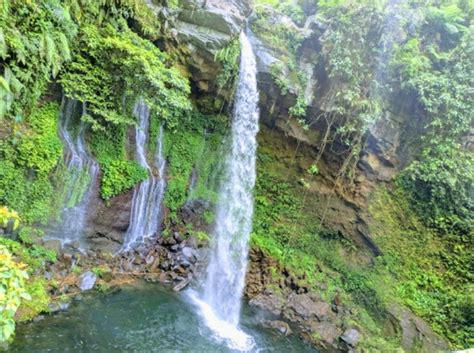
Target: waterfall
point(220, 302)
point(145, 217)
point(82, 170)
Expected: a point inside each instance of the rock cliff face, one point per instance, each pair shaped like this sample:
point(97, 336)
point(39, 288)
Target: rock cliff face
point(323, 323)
point(196, 32)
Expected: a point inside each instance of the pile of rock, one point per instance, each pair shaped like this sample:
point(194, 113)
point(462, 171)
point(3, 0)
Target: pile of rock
point(172, 260)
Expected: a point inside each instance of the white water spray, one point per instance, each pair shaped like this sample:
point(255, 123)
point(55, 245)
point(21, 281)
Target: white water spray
point(82, 180)
point(220, 303)
point(145, 217)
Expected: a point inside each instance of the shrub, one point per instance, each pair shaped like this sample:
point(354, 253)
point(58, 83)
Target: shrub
point(12, 292)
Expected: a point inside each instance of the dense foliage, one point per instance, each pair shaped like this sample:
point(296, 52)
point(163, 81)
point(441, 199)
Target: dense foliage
point(118, 172)
point(9, 218)
point(229, 58)
point(23, 292)
point(373, 58)
point(408, 61)
point(112, 67)
point(12, 291)
point(90, 47)
point(19, 262)
point(441, 188)
point(28, 157)
point(37, 38)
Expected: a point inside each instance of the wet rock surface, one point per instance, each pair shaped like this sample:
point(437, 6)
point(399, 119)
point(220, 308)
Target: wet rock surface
point(86, 281)
point(280, 326)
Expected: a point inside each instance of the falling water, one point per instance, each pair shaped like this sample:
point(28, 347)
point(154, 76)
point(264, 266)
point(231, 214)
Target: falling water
point(82, 170)
point(146, 205)
point(220, 303)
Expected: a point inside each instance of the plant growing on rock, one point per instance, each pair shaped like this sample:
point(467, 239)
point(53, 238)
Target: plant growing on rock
point(229, 58)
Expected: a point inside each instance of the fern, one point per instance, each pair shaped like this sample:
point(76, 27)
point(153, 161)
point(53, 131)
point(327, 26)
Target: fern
point(3, 45)
point(63, 47)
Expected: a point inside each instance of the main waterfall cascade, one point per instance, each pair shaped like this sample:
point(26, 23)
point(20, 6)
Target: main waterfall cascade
point(145, 217)
point(221, 298)
point(82, 169)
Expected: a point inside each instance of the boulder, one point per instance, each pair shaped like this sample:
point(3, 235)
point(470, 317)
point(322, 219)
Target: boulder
point(67, 258)
point(192, 242)
point(351, 337)
point(189, 254)
point(280, 326)
point(304, 307)
point(415, 332)
point(86, 281)
point(324, 334)
point(268, 301)
point(76, 245)
point(106, 275)
point(181, 285)
point(59, 306)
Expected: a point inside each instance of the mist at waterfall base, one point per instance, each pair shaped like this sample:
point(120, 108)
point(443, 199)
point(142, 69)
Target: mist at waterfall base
point(219, 302)
point(145, 216)
point(140, 318)
point(82, 170)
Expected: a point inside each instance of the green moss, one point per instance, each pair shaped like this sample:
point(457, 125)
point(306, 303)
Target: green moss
point(196, 145)
point(418, 268)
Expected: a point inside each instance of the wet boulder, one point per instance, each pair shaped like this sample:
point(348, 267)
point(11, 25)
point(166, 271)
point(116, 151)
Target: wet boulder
point(189, 254)
point(279, 326)
point(324, 334)
point(86, 281)
point(268, 301)
point(181, 285)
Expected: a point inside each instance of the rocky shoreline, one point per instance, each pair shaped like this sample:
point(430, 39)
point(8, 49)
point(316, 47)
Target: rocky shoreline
point(288, 305)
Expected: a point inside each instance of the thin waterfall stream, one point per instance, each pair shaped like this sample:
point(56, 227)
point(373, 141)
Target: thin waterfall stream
point(83, 171)
point(145, 216)
point(220, 301)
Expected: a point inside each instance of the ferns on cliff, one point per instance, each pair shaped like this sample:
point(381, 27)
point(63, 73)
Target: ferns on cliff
point(112, 67)
point(37, 38)
point(34, 43)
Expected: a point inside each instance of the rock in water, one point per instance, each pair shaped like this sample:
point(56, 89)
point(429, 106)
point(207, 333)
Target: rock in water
point(86, 281)
point(280, 326)
point(181, 285)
